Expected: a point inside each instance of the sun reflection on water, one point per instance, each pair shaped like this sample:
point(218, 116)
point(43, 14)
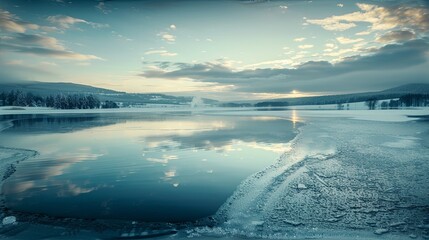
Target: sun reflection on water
point(295, 118)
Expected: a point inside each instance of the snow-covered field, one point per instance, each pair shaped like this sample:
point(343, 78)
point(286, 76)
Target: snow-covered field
point(347, 175)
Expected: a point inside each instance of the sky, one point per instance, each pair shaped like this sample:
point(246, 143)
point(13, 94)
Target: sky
point(225, 50)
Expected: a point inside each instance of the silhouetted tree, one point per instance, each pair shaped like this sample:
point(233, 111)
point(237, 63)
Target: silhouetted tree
point(415, 100)
point(384, 105)
point(371, 103)
point(109, 104)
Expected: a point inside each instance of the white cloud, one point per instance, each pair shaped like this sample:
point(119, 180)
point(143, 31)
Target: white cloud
point(37, 44)
point(65, 22)
point(299, 39)
point(344, 40)
point(167, 37)
point(340, 5)
point(380, 18)
point(283, 7)
point(45, 49)
point(282, 63)
point(161, 52)
point(172, 26)
point(11, 23)
point(307, 46)
point(363, 33)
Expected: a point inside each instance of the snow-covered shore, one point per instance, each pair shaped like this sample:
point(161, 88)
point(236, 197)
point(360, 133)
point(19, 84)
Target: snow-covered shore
point(343, 178)
point(304, 111)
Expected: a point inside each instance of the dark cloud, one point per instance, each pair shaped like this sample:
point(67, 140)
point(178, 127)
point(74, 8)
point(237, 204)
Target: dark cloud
point(42, 51)
point(396, 36)
point(388, 58)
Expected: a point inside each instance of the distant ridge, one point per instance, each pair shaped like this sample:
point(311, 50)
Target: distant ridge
point(421, 88)
point(396, 92)
point(48, 88)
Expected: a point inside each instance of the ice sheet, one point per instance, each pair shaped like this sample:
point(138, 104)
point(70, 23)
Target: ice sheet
point(340, 175)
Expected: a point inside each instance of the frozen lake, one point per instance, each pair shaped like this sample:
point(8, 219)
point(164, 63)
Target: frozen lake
point(143, 166)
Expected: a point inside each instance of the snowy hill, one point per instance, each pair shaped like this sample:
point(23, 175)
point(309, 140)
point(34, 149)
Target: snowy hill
point(46, 89)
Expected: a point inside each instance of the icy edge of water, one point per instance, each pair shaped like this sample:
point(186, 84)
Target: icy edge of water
point(242, 214)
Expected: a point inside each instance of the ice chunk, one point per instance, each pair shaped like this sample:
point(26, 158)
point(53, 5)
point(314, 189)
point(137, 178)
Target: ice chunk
point(381, 231)
point(396, 224)
point(9, 220)
point(293, 223)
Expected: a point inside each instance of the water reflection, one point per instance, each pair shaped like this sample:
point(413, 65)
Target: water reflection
point(152, 167)
point(294, 118)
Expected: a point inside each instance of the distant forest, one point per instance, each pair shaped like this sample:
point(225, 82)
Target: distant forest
point(407, 100)
point(59, 101)
point(89, 101)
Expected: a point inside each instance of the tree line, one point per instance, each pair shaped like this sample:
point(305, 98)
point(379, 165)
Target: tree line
point(407, 100)
point(59, 101)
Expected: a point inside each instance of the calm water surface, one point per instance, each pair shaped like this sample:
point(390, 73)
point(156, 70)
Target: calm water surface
point(150, 167)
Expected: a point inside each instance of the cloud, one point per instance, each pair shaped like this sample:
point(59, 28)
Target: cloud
point(299, 39)
point(161, 52)
point(340, 5)
point(172, 26)
point(307, 46)
point(330, 45)
point(167, 37)
point(11, 23)
point(396, 36)
point(380, 18)
point(37, 40)
point(65, 22)
point(36, 44)
point(311, 75)
point(15, 62)
point(272, 64)
point(363, 33)
point(332, 24)
point(42, 51)
point(101, 6)
point(344, 40)
point(283, 7)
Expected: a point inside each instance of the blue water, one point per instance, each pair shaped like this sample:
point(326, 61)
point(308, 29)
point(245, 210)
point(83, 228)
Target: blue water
point(148, 167)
